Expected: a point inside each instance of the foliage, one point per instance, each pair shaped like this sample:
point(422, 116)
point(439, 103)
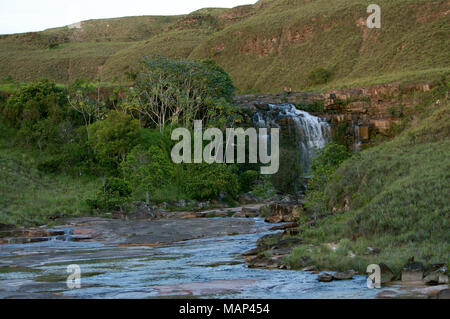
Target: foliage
point(112, 195)
point(322, 169)
point(174, 91)
point(247, 180)
point(206, 181)
point(113, 138)
point(33, 102)
point(147, 170)
point(263, 189)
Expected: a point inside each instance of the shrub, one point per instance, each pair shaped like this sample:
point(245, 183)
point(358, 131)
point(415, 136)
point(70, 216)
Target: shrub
point(113, 138)
point(147, 170)
point(247, 180)
point(112, 195)
point(205, 181)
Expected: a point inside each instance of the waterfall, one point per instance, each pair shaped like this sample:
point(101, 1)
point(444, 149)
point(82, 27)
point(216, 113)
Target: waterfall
point(311, 132)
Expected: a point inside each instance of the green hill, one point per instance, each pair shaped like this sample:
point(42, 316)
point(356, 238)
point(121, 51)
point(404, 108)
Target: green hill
point(263, 46)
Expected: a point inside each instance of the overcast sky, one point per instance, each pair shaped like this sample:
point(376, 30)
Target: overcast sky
point(36, 15)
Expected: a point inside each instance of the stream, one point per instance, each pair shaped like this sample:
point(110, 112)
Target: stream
point(209, 267)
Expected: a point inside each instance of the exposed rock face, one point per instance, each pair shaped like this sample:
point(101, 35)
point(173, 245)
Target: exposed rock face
point(367, 109)
point(284, 212)
point(412, 271)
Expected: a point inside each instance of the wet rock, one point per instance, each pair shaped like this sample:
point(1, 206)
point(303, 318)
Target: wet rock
point(437, 277)
point(412, 271)
point(262, 106)
point(250, 212)
point(267, 262)
point(309, 268)
point(387, 275)
point(346, 275)
point(325, 277)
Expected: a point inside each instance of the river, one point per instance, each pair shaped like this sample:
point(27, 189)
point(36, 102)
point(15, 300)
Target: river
point(209, 267)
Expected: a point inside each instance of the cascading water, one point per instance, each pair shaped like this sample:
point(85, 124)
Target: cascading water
point(311, 132)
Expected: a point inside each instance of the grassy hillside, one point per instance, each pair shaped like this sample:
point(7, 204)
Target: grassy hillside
point(264, 47)
point(29, 197)
point(392, 197)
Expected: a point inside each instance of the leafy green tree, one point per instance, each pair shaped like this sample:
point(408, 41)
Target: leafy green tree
point(79, 98)
point(113, 138)
point(205, 181)
point(247, 180)
point(322, 169)
point(114, 193)
point(33, 102)
point(174, 91)
point(147, 170)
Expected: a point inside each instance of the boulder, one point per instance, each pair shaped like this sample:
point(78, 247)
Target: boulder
point(250, 212)
point(284, 212)
point(437, 277)
point(262, 261)
point(325, 277)
point(346, 275)
point(412, 271)
point(387, 275)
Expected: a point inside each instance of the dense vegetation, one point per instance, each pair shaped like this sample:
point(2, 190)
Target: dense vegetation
point(99, 153)
point(264, 47)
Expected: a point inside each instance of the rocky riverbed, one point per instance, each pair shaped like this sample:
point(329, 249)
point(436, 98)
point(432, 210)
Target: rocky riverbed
point(183, 254)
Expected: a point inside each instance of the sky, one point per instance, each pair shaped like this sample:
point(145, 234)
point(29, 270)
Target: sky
point(18, 16)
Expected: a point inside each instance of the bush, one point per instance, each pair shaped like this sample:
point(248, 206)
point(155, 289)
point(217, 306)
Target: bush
point(206, 181)
point(112, 195)
point(322, 169)
point(319, 76)
point(247, 180)
point(113, 138)
point(35, 101)
point(147, 170)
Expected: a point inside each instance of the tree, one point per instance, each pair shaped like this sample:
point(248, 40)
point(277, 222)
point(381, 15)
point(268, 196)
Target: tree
point(147, 169)
point(175, 91)
point(113, 138)
point(80, 101)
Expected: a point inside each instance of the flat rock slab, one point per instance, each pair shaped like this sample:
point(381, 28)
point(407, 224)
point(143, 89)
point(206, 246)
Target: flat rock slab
point(204, 288)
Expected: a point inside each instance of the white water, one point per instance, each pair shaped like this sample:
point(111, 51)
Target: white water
point(312, 132)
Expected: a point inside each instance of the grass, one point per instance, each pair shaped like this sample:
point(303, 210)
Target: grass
point(30, 198)
point(392, 197)
point(264, 47)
